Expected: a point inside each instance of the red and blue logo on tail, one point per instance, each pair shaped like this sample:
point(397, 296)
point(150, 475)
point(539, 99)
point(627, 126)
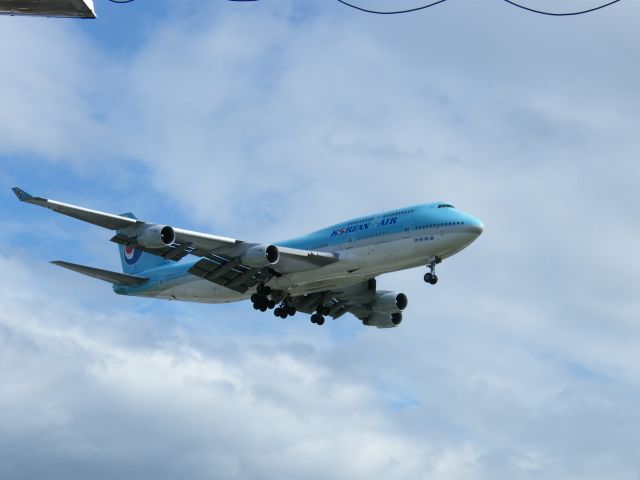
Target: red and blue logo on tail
point(131, 255)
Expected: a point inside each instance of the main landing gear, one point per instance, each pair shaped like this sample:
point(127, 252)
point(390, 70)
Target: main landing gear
point(261, 300)
point(266, 299)
point(318, 317)
point(284, 310)
point(430, 276)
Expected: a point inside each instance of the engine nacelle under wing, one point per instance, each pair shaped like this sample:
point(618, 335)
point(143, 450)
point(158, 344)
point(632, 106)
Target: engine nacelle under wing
point(389, 302)
point(261, 256)
point(383, 320)
point(155, 236)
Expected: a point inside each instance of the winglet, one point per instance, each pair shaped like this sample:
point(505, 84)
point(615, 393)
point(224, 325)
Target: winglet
point(21, 194)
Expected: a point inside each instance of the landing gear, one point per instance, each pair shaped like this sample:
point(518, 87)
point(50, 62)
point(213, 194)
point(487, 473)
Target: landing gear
point(430, 276)
point(284, 310)
point(318, 317)
point(261, 300)
point(265, 298)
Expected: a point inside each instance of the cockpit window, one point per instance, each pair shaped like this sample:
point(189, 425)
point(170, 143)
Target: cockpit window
point(445, 205)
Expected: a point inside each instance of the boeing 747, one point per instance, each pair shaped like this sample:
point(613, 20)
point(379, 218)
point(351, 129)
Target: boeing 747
point(327, 273)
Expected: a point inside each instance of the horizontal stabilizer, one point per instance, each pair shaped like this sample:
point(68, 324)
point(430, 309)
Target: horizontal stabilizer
point(106, 275)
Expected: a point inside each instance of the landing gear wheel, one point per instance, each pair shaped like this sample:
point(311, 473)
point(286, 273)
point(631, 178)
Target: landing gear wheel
point(430, 276)
point(263, 290)
point(271, 304)
point(320, 321)
point(291, 311)
point(260, 302)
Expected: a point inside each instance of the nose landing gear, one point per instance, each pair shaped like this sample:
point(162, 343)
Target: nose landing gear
point(430, 276)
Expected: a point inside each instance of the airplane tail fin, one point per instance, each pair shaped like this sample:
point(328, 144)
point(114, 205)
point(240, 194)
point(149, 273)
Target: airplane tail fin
point(135, 260)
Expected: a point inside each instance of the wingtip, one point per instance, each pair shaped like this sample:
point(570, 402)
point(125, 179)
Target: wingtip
point(21, 194)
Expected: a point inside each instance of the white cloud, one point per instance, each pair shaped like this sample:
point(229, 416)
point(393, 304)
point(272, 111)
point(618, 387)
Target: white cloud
point(86, 401)
point(451, 395)
point(47, 90)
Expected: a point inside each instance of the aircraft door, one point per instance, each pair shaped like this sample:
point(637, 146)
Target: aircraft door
point(407, 230)
point(350, 239)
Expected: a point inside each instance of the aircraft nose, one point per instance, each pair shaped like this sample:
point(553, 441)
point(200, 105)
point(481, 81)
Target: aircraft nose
point(473, 225)
point(477, 226)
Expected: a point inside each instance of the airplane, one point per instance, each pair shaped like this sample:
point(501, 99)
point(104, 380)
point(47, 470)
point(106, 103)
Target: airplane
point(57, 8)
point(326, 273)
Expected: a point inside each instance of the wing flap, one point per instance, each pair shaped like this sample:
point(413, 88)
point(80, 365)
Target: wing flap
point(105, 275)
point(354, 298)
point(230, 273)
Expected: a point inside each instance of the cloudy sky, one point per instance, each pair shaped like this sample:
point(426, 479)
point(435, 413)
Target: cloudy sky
point(262, 120)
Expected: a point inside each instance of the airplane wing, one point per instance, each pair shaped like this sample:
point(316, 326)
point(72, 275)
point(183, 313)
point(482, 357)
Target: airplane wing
point(233, 263)
point(377, 308)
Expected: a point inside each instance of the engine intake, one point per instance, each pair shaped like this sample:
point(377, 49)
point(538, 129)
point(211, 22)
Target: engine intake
point(383, 320)
point(156, 236)
point(389, 302)
point(261, 256)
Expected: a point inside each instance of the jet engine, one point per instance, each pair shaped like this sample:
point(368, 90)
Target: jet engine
point(156, 236)
point(383, 320)
point(389, 302)
point(261, 256)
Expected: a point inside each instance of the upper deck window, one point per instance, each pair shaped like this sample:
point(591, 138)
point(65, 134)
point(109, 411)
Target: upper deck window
point(445, 205)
